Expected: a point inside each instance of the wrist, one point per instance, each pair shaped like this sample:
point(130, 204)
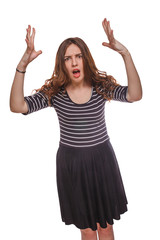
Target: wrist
point(24, 60)
point(125, 53)
point(22, 67)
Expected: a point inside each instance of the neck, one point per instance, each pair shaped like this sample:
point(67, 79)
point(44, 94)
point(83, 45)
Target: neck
point(78, 85)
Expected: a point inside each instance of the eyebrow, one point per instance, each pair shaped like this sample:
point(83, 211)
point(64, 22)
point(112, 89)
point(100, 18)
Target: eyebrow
point(75, 55)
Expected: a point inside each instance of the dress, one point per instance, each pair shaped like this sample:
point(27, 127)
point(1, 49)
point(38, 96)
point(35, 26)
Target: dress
point(89, 182)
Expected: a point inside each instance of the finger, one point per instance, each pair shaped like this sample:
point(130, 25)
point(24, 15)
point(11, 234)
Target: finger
point(106, 44)
point(104, 23)
point(112, 36)
point(27, 41)
point(109, 27)
point(33, 34)
point(39, 52)
point(28, 32)
point(26, 36)
point(109, 31)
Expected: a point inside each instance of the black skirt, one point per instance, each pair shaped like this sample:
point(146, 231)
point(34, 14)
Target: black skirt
point(90, 186)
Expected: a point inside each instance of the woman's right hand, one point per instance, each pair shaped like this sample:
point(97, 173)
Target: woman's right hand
point(30, 53)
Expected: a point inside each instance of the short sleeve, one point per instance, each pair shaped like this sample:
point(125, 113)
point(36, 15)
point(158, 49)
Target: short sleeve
point(36, 102)
point(120, 94)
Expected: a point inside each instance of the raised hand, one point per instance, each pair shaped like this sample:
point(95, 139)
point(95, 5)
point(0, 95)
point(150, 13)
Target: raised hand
point(30, 53)
point(113, 43)
point(30, 44)
point(30, 41)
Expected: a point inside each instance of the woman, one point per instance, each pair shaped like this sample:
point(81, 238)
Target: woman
point(90, 187)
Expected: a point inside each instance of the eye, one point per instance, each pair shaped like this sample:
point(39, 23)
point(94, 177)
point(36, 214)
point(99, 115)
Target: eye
point(79, 56)
point(66, 59)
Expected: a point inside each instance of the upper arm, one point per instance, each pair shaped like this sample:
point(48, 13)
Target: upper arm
point(121, 94)
point(34, 103)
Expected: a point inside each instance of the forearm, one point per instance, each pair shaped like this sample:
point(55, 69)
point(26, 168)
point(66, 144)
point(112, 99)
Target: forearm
point(17, 102)
point(134, 83)
point(17, 93)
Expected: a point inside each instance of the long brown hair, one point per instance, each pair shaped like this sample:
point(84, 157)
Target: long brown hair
point(103, 83)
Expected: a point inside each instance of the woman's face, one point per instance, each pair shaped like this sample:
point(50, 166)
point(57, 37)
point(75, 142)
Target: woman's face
point(74, 63)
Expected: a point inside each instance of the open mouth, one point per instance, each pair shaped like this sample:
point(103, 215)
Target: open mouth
point(76, 73)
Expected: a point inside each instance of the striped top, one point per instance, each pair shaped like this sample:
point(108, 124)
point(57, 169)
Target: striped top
point(81, 125)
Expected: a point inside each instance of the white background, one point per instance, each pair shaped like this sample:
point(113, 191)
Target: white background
point(29, 206)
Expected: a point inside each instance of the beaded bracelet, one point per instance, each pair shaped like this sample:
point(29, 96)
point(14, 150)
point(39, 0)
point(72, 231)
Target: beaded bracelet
point(19, 70)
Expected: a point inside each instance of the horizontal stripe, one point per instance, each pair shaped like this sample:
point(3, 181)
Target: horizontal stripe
point(86, 123)
point(81, 129)
point(84, 137)
point(84, 145)
point(81, 125)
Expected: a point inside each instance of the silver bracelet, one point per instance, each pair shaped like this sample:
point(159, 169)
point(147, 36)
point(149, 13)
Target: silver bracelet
point(20, 71)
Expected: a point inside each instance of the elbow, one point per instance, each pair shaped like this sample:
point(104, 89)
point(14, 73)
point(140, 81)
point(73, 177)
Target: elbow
point(139, 98)
point(17, 107)
point(14, 109)
point(11, 108)
point(135, 97)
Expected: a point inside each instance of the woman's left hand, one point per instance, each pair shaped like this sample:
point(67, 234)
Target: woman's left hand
point(113, 43)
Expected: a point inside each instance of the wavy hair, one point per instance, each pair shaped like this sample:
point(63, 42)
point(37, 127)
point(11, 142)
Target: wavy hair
point(103, 83)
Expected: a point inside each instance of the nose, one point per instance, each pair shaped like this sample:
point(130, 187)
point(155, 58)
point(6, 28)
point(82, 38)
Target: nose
point(74, 62)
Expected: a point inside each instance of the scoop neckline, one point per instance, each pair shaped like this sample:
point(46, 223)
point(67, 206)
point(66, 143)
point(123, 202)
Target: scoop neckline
point(80, 104)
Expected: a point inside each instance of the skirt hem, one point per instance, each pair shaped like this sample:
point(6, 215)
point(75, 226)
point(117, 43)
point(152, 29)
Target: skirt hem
point(102, 225)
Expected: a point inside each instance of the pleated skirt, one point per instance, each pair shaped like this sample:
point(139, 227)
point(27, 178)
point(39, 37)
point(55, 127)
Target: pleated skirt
point(90, 186)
